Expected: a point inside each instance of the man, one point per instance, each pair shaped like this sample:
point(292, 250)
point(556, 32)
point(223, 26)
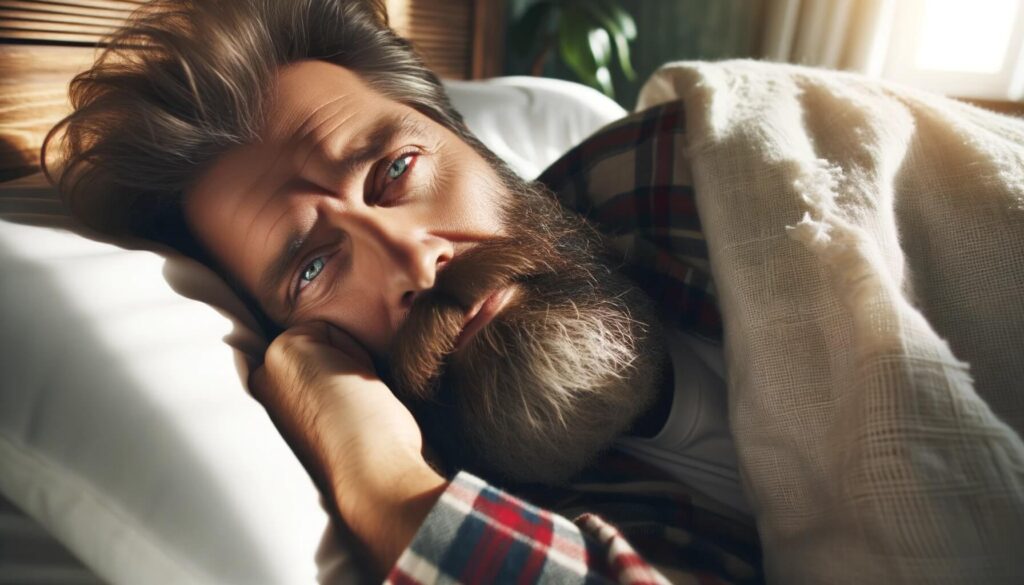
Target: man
point(421, 288)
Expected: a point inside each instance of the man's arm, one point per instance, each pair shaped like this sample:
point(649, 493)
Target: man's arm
point(365, 447)
point(354, 436)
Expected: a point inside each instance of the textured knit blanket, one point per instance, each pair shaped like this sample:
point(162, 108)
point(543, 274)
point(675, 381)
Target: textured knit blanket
point(867, 245)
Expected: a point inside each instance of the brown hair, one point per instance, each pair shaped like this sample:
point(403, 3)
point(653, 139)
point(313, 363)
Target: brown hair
point(185, 80)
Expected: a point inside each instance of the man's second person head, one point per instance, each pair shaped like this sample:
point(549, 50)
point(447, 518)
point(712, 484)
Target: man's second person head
point(303, 150)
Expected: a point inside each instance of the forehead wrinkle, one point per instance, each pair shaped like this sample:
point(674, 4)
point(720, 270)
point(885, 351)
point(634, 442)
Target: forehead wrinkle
point(303, 131)
point(316, 143)
point(315, 111)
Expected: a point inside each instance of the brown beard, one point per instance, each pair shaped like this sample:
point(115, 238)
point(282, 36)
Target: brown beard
point(567, 365)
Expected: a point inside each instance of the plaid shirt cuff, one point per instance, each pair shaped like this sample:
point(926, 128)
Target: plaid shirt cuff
point(479, 534)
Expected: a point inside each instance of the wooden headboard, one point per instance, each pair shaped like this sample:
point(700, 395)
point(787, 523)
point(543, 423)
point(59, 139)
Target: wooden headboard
point(44, 43)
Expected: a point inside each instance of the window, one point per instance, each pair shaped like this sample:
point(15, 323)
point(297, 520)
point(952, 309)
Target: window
point(963, 48)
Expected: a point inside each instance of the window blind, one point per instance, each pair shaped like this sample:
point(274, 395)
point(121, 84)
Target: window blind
point(69, 21)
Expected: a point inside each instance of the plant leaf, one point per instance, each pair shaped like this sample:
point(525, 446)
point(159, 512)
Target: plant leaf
point(600, 46)
point(574, 45)
point(601, 12)
point(625, 21)
point(604, 80)
point(625, 60)
point(532, 27)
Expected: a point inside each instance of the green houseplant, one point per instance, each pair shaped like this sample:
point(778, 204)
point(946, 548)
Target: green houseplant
point(586, 34)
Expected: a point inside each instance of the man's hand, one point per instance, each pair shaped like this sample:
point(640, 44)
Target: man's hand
point(319, 386)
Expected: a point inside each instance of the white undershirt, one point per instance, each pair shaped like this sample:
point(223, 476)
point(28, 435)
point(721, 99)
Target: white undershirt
point(695, 445)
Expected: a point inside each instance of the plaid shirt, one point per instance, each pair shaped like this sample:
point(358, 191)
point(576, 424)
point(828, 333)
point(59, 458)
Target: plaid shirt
point(479, 534)
point(631, 181)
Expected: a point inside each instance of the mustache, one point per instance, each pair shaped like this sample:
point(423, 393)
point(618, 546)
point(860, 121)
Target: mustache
point(430, 331)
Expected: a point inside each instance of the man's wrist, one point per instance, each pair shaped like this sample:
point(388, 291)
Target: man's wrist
point(385, 503)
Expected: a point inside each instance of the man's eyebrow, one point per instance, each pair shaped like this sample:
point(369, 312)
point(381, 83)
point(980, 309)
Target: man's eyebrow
point(280, 268)
point(376, 143)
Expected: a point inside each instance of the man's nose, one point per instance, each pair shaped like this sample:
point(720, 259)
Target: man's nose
point(408, 256)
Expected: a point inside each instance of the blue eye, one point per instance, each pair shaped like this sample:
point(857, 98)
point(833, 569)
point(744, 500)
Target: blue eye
point(311, 271)
point(398, 167)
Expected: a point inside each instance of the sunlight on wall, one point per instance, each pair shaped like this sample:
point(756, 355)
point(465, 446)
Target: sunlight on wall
point(966, 35)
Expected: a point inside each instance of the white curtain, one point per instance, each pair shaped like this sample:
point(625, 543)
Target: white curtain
point(837, 34)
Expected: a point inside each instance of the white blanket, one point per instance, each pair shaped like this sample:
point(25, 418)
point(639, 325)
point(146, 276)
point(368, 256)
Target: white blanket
point(867, 244)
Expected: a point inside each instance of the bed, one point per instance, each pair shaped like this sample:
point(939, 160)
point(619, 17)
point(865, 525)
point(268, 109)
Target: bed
point(130, 450)
point(865, 242)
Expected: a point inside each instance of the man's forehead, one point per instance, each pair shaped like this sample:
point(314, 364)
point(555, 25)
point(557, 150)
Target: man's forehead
point(310, 99)
point(306, 93)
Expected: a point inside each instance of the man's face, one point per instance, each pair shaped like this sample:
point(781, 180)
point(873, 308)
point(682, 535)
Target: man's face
point(486, 306)
point(347, 208)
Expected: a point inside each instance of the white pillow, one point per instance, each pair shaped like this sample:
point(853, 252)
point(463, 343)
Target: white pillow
point(126, 429)
point(531, 121)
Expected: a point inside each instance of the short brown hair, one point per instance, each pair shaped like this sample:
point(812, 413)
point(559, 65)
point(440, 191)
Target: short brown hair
point(185, 80)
